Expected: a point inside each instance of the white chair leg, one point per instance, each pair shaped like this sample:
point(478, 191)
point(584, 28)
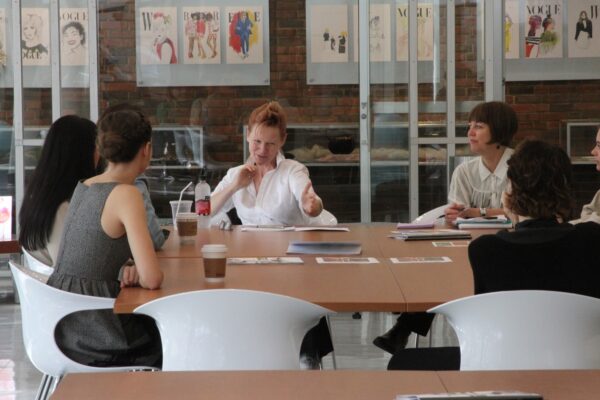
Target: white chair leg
point(55, 382)
point(44, 390)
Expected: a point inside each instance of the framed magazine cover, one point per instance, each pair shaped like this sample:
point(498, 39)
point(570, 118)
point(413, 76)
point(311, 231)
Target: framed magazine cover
point(211, 43)
point(551, 39)
point(36, 47)
point(332, 52)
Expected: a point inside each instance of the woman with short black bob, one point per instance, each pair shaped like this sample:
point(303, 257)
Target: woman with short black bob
point(543, 252)
point(68, 156)
point(476, 186)
point(105, 226)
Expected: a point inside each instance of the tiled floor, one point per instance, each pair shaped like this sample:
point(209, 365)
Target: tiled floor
point(352, 342)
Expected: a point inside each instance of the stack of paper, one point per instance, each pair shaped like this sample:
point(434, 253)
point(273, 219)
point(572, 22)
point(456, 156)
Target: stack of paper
point(322, 228)
point(266, 228)
point(337, 248)
point(498, 222)
point(422, 234)
point(415, 225)
point(479, 395)
point(265, 260)
point(282, 228)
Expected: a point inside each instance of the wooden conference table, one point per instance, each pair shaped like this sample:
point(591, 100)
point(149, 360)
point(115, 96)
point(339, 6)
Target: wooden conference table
point(341, 287)
point(321, 385)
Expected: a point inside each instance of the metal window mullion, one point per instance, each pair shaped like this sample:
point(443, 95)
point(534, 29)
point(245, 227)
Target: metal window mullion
point(55, 57)
point(93, 58)
point(413, 110)
point(494, 54)
point(450, 84)
point(365, 111)
point(18, 109)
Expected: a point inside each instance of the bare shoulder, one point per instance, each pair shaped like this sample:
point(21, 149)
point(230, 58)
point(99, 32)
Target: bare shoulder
point(125, 194)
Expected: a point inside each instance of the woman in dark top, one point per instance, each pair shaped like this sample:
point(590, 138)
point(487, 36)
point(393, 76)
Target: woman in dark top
point(543, 252)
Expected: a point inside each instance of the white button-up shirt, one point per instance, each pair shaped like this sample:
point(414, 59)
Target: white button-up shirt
point(473, 185)
point(279, 197)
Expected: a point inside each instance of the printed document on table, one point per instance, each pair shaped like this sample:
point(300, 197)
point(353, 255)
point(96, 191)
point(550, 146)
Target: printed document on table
point(479, 395)
point(347, 260)
point(451, 244)
point(333, 248)
point(265, 260)
point(266, 228)
point(322, 228)
point(420, 260)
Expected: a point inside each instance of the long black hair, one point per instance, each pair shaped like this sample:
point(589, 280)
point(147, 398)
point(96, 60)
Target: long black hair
point(67, 157)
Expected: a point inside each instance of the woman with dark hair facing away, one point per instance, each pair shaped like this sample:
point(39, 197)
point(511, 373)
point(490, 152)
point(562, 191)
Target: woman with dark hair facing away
point(68, 156)
point(105, 226)
point(475, 191)
point(158, 235)
point(543, 252)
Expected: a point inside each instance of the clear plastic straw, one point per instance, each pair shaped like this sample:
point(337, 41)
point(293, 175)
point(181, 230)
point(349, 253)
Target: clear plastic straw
point(180, 196)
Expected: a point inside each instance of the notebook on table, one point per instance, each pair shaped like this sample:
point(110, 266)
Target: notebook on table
point(329, 248)
point(422, 234)
point(498, 222)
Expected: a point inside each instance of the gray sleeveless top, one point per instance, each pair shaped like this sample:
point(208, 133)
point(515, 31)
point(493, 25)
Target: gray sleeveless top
point(88, 263)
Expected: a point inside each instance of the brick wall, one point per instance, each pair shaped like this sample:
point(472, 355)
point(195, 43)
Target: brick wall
point(542, 107)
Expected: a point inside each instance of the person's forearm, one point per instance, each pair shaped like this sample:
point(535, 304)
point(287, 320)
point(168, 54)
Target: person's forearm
point(217, 200)
point(494, 211)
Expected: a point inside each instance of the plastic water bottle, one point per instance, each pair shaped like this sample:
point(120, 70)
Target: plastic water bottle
point(202, 197)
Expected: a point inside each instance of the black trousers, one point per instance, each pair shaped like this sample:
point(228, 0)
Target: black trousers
point(417, 322)
point(317, 342)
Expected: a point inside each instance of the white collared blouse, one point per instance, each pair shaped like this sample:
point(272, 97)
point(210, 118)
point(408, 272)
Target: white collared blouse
point(278, 201)
point(473, 185)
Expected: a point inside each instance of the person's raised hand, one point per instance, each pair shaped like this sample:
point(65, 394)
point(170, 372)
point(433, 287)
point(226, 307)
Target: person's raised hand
point(311, 203)
point(245, 176)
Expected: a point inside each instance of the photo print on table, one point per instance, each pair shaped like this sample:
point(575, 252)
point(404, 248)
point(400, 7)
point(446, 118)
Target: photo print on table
point(543, 26)
point(380, 43)
point(73, 35)
point(424, 31)
point(582, 18)
point(35, 34)
point(202, 35)
point(244, 35)
point(158, 35)
point(328, 33)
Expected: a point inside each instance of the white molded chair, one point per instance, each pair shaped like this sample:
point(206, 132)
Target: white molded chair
point(526, 329)
point(325, 218)
point(36, 265)
point(42, 307)
point(431, 215)
point(230, 329)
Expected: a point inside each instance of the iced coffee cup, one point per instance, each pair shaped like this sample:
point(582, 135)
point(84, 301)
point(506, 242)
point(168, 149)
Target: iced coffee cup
point(184, 206)
point(214, 258)
point(187, 226)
